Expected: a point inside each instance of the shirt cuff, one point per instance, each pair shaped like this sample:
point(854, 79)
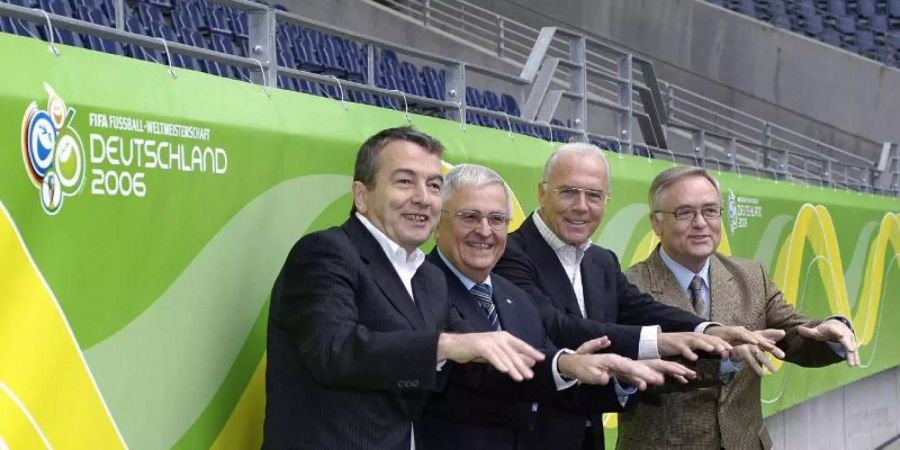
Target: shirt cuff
point(561, 383)
point(624, 391)
point(727, 366)
point(647, 346)
point(701, 328)
point(838, 349)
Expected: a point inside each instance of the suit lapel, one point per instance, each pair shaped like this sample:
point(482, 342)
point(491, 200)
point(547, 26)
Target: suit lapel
point(383, 273)
point(510, 319)
point(554, 273)
point(460, 298)
point(664, 285)
point(592, 283)
point(722, 291)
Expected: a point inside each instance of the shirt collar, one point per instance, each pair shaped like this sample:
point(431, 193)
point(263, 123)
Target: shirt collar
point(466, 281)
point(555, 242)
point(395, 253)
point(683, 274)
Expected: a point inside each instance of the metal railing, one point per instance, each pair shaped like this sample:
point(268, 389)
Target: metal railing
point(747, 137)
point(613, 71)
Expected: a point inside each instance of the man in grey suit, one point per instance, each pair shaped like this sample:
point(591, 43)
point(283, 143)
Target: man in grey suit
point(685, 271)
point(357, 326)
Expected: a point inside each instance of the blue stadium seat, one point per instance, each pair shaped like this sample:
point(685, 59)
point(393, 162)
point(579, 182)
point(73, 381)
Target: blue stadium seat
point(165, 4)
point(435, 87)
point(240, 26)
point(166, 32)
point(411, 80)
point(879, 22)
point(219, 21)
point(19, 27)
point(832, 37)
point(97, 17)
point(509, 104)
point(197, 9)
point(491, 100)
point(837, 7)
point(224, 44)
point(195, 39)
point(134, 25)
point(846, 25)
point(107, 7)
point(150, 14)
point(62, 8)
point(893, 10)
point(865, 8)
point(306, 56)
point(813, 25)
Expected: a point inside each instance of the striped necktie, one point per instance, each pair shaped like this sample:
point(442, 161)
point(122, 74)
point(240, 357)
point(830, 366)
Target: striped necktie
point(701, 306)
point(482, 294)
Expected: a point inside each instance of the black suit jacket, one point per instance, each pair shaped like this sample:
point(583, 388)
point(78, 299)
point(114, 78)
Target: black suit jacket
point(351, 357)
point(614, 307)
point(484, 409)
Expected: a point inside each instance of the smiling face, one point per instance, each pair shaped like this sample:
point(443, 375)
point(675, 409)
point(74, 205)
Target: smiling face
point(689, 242)
point(574, 221)
point(405, 198)
point(473, 251)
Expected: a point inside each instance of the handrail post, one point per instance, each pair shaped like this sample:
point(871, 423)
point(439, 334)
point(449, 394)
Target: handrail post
point(261, 24)
point(625, 124)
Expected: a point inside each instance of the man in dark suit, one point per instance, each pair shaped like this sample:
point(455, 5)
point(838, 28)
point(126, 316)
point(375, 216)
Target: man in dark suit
point(552, 258)
point(687, 272)
point(479, 410)
point(355, 337)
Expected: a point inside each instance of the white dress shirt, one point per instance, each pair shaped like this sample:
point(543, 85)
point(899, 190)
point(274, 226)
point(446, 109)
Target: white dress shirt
point(570, 257)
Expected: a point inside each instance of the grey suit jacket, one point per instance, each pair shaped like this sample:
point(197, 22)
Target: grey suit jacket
point(728, 416)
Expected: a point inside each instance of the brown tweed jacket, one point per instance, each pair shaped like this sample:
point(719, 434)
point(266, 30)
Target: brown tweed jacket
point(720, 416)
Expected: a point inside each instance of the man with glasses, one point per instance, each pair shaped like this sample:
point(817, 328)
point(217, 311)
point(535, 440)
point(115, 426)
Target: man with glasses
point(480, 409)
point(685, 271)
point(357, 324)
point(552, 258)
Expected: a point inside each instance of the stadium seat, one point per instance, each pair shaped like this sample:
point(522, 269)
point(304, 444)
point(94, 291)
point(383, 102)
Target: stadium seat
point(61, 8)
point(510, 105)
point(434, 86)
point(97, 17)
point(166, 32)
point(219, 22)
point(134, 25)
point(150, 14)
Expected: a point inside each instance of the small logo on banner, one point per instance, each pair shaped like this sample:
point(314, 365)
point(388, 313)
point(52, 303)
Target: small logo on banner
point(52, 151)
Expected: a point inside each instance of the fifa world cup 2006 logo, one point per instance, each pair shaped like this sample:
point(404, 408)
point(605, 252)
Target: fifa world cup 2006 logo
point(52, 151)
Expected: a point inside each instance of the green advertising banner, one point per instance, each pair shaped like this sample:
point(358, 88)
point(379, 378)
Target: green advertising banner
point(144, 217)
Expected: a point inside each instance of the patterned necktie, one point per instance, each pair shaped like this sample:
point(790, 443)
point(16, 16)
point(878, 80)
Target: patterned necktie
point(701, 306)
point(482, 294)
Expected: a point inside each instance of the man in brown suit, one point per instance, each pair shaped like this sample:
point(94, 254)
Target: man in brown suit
point(685, 271)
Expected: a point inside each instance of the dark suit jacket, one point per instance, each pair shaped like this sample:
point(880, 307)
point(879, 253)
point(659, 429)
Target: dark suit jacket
point(351, 357)
point(615, 308)
point(482, 408)
point(728, 416)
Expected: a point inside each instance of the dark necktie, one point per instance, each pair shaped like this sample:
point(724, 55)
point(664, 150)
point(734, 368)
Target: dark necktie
point(701, 307)
point(482, 294)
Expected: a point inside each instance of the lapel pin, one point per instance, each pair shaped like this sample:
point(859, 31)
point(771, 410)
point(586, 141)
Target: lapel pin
point(509, 301)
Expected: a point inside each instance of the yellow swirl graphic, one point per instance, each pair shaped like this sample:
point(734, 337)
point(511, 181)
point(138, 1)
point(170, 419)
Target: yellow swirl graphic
point(814, 226)
point(48, 398)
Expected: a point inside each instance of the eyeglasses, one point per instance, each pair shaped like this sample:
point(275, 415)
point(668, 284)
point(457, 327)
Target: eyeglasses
point(686, 213)
point(472, 219)
point(570, 194)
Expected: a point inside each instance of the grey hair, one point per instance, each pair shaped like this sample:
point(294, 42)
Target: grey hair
point(670, 176)
point(472, 175)
point(576, 148)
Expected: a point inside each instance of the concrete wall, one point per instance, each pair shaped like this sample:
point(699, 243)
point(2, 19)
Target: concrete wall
point(819, 90)
point(863, 415)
